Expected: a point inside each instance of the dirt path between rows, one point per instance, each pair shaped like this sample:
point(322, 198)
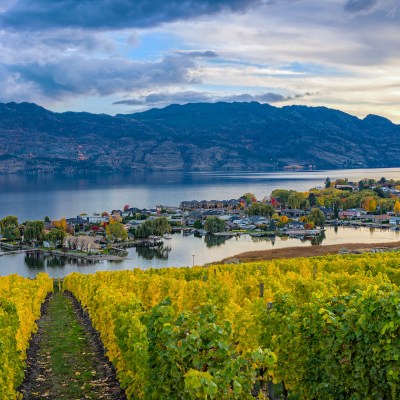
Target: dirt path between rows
point(310, 251)
point(65, 359)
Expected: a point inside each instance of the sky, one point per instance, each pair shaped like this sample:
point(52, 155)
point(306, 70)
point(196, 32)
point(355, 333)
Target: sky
point(122, 56)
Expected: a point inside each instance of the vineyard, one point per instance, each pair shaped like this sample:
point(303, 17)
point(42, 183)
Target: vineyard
point(20, 303)
point(318, 328)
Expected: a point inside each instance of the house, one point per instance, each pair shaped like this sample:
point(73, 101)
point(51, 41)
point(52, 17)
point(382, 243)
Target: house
point(295, 225)
point(95, 218)
point(82, 243)
point(328, 212)
point(380, 218)
point(344, 187)
point(393, 220)
point(349, 214)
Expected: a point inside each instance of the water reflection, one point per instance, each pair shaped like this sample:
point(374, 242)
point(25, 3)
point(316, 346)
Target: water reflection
point(40, 261)
point(206, 250)
point(212, 240)
point(160, 252)
point(34, 260)
point(317, 240)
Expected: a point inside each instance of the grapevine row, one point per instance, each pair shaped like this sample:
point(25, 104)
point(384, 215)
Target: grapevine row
point(20, 303)
point(206, 332)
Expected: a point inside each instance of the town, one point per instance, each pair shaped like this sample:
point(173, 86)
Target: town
point(104, 235)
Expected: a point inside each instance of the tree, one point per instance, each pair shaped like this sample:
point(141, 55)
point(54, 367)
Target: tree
point(370, 204)
point(335, 210)
point(55, 237)
point(272, 225)
point(144, 230)
point(12, 233)
point(9, 222)
point(396, 207)
point(380, 192)
point(161, 226)
point(249, 198)
point(214, 225)
point(266, 210)
point(317, 217)
point(282, 195)
point(296, 200)
point(116, 231)
point(158, 226)
point(284, 219)
point(312, 199)
point(197, 224)
point(34, 231)
point(327, 183)
point(60, 224)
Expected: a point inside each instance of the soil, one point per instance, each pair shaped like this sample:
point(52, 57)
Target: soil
point(311, 251)
point(66, 357)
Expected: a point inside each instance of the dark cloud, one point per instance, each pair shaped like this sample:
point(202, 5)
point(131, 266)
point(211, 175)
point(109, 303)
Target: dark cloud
point(158, 99)
point(111, 14)
point(262, 98)
point(78, 76)
point(202, 54)
point(168, 98)
point(357, 6)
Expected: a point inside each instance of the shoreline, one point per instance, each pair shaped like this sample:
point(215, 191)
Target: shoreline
point(309, 251)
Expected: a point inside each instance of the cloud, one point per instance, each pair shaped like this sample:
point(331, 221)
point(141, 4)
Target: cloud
point(357, 6)
point(111, 14)
point(201, 54)
point(79, 76)
point(261, 98)
point(162, 99)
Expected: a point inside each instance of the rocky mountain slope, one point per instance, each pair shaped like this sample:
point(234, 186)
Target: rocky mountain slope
point(203, 136)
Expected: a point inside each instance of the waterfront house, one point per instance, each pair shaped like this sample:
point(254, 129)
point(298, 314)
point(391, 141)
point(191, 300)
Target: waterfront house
point(393, 220)
point(86, 244)
point(349, 214)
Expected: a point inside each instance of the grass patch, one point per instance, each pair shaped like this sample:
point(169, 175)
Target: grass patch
point(70, 364)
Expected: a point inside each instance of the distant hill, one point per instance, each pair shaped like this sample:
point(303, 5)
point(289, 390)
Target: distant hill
point(202, 136)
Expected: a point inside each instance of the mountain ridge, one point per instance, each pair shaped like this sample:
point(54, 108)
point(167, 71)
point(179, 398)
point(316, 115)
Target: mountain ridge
point(194, 137)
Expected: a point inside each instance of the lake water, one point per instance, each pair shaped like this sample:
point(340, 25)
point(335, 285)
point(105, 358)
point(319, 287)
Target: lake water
point(179, 251)
point(33, 197)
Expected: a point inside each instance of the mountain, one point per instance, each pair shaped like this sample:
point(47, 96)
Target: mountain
point(201, 136)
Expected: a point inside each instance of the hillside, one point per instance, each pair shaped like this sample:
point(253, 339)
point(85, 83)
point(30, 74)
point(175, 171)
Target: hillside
point(202, 136)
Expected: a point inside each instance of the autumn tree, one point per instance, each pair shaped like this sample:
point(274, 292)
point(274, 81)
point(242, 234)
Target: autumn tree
point(396, 207)
point(282, 195)
point(284, 219)
point(249, 198)
point(370, 204)
point(60, 224)
point(116, 231)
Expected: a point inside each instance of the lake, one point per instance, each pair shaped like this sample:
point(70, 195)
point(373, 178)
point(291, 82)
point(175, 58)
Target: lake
point(57, 196)
point(34, 197)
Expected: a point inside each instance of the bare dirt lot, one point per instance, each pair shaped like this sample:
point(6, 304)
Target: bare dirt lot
point(311, 251)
